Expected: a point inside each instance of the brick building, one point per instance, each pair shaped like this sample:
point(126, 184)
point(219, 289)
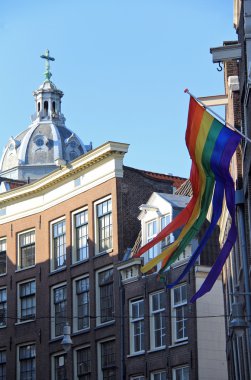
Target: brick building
point(236, 56)
point(68, 222)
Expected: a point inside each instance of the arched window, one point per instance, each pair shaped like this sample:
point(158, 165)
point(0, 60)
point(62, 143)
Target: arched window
point(38, 107)
point(46, 107)
point(53, 106)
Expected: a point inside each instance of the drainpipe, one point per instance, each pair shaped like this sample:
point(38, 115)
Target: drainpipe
point(239, 201)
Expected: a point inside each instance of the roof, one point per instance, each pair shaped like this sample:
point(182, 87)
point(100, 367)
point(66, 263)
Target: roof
point(185, 189)
point(176, 181)
point(177, 201)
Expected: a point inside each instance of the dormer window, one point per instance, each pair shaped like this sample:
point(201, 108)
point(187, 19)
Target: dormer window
point(73, 144)
point(39, 140)
point(13, 144)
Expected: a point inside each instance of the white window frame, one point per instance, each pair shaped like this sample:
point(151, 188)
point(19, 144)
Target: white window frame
point(3, 241)
point(19, 301)
point(98, 250)
point(74, 235)
point(98, 303)
point(53, 318)
point(141, 377)
point(169, 238)
point(18, 368)
point(99, 351)
point(19, 235)
point(161, 372)
point(52, 251)
point(75, 359)
point(53, 362)
point(160, 313)
point(152, 252)
point(182, 368)
point(182, 304)
point(75, 304)
point(132, 324)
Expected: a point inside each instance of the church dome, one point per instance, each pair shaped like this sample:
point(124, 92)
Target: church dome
point(47, 142)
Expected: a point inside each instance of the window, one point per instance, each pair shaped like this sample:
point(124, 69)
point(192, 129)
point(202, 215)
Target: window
point(164, 221)
point(3, 307)
point(179, 299)
point(137, 326)
point(26, 257)
point(105, 302)
point(162, 375)
point(27, 362)
point(107, 360)
point(137, 378)
point(27, 301)
point(2, 256)
point(59, 310)
point(81, 318)
point(81, 236)
point(59, 367)
point(181, 373)
point(2, 365)
point(151, 232)
point(104, 225)
point(157, 320)
point(83, 360)
point(58, 245)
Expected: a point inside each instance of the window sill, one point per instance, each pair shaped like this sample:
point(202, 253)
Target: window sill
point(105, 324)
point(76, 263)
point(3, 274)
point(23, 322)
point(56, 338)
point(136, 354)
point(156, 349)
point(22, 269)
point(79, 332)
point(183, 343)
point(57, 270)
point(3, 327)
point(98, 254)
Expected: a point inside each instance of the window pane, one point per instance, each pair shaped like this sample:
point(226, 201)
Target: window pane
point(3, 306)
point(81, 224)
point(59, 245)
point(82, 290)
point(104, 213)
point(60, 309)
point(84, 363)
point(108, 360)
point(27, 362)
point(27, 249)
point(3, 256)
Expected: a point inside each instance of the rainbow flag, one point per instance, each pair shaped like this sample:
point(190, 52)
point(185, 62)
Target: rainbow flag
point(211, 146)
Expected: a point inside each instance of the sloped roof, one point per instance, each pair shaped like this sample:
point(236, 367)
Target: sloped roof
point(185, 189)
point(177, 201)
point(176, 181)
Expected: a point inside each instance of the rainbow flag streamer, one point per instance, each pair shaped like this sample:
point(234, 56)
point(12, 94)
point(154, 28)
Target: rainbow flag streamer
point(211, 146)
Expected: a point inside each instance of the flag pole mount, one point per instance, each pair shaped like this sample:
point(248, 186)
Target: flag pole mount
point(186, 91)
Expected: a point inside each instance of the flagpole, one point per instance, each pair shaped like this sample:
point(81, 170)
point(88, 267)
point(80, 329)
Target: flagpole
point(218, 116)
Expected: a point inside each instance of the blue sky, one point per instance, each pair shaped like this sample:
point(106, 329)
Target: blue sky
point(122, 65)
